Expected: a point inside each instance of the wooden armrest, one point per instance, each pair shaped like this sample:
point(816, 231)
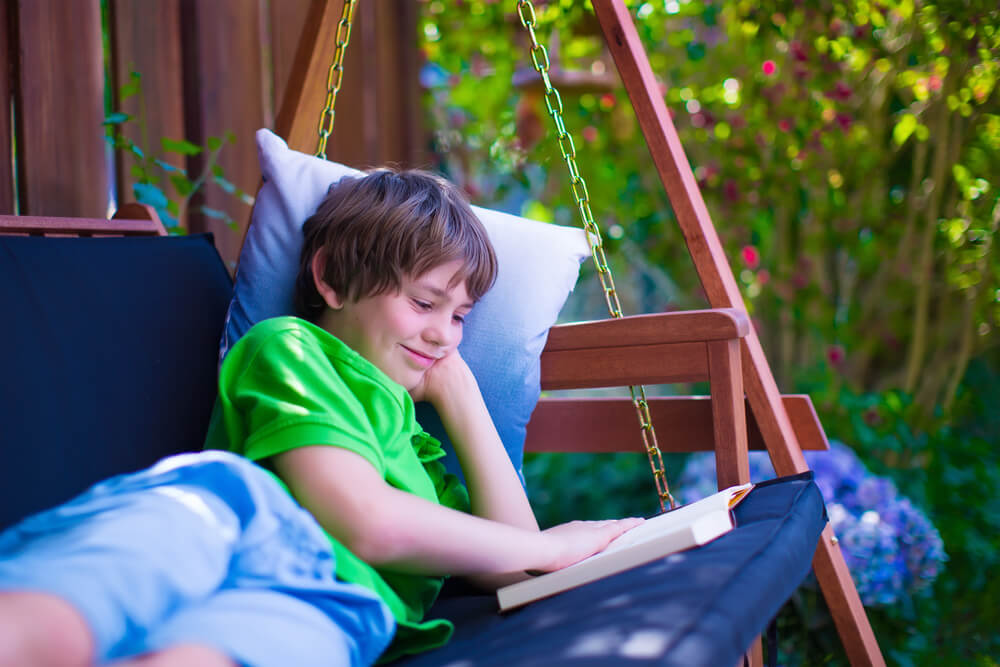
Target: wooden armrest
point(143, 222)
point(679, 327)
point(640, 349)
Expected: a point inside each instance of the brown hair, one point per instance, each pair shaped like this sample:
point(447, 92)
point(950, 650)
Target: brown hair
point(376, 228)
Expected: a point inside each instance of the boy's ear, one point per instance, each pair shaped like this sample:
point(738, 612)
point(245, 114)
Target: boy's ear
point(328, 294)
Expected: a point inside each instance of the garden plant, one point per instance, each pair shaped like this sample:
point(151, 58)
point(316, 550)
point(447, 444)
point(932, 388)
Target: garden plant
point(849, 154)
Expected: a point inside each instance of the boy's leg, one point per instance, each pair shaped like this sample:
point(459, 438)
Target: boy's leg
point(182, 655)
point(113, 562)
point(42, 630)
point(264, 628)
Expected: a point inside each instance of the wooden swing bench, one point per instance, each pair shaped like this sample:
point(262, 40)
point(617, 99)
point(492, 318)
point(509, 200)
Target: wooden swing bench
point(114, 344)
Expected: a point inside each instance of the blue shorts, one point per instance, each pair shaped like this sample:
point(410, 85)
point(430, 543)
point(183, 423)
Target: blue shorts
point(201, 548)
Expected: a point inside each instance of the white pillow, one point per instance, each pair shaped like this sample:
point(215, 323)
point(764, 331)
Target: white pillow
point(538, 265)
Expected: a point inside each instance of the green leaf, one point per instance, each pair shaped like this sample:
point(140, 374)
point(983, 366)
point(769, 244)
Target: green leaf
point(214, 143)
point(182, 184)
point(216, 213)
point(225, 184)
point(166, 166)
point(130, 89)
point(904, 128)
point(116, 118)
point(695, 50)
point(183, 146)
point(146, 193)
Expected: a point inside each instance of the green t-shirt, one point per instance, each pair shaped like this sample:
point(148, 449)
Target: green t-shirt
point(287, 384)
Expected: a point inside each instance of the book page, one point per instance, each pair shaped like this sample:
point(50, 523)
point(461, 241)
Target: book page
point(684, 515)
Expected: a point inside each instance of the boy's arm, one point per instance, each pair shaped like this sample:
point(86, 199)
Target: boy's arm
point(494, 487)
point(395, 530)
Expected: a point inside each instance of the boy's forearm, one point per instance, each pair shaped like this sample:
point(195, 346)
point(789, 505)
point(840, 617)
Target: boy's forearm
point(494, 487)
point(393, 529)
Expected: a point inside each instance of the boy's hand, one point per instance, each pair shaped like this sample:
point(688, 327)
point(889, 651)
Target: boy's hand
point(579, 539)
point(447, 380)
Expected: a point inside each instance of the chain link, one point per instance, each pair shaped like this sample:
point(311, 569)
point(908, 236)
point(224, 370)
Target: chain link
point(553, 103)
point(335, 76)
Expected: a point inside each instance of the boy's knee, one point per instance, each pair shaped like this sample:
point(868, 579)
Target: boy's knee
point(43, 630)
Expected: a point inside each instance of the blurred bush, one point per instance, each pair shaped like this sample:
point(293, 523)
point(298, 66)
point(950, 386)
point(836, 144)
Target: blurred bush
point(849, 153)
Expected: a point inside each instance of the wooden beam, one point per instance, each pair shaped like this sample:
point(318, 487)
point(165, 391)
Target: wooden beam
point(684, 424)
point(298, 116)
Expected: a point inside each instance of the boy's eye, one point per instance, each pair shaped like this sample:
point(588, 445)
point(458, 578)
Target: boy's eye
point(459, 318)
point(422, 305)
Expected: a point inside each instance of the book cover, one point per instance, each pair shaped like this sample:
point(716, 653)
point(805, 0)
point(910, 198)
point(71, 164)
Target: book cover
point(687, 526)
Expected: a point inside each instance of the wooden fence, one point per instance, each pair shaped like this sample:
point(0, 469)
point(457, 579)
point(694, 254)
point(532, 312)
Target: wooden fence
point(207, 67)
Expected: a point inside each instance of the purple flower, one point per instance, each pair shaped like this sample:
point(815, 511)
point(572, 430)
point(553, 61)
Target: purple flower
point(890, 546)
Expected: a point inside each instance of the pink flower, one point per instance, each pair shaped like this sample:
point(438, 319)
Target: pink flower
point(731, 190)
point(841, 92)
point(763, 276)
point(934, 82)
point(798, 51)
point(835, 355)
point(768, 68)
point(751, 256)
point(785, 125)
point(589, 133)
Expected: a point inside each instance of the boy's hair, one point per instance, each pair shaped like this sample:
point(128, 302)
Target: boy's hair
point(376, 228)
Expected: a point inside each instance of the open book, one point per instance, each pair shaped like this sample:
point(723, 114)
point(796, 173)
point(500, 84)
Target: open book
point(675, 530)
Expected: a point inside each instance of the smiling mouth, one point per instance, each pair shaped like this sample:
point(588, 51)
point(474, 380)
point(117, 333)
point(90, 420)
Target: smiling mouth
point(422, 359)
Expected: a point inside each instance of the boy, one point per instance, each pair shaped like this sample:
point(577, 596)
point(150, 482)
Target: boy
point(391, 264)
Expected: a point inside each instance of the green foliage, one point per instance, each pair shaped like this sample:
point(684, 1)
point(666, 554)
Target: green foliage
point(155, 175)
point(849, 155)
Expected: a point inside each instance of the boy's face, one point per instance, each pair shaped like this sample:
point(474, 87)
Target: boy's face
point(404, 333)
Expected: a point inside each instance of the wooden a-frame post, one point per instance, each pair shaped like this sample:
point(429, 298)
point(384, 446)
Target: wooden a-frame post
point(297, 122)
point(720, 285)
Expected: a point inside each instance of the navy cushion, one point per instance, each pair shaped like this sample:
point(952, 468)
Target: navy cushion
point(108, 356)
point(700, 607)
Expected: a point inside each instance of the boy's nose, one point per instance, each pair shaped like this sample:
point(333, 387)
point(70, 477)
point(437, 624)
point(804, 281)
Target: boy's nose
point(443, 334)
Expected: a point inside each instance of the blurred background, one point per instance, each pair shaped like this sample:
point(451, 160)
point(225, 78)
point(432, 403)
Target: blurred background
point(848, 152)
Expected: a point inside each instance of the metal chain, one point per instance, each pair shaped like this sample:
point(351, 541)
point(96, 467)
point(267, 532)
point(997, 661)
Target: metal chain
point(335, 76)
point(553, 102)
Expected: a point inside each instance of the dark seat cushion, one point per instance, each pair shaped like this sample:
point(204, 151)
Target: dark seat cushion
point(108, 359)
point(700, 607)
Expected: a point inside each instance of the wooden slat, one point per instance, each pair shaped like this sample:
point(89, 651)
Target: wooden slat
point(720, 286)
point(55, 226)
point(60, 108)
point(399, 130)
point(728, 413)
point(8, 40)
point(683, 424)
point(625, 365)
point(678, 327)
point(224, 93)
point(146, 38)
point(287, 21)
